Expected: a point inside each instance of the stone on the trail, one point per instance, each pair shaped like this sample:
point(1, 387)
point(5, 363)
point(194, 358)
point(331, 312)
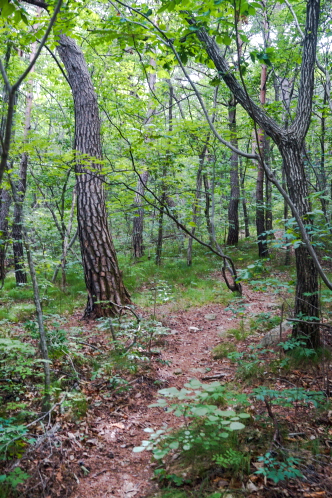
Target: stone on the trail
point(198, 370)
point(272, 305)
point(273, 335)
point(221, 331)
point(210, 316)
point(174, 332)
point(193, 329)
point(178, 371)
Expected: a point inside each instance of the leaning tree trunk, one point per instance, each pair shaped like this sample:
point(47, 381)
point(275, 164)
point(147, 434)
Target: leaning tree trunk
point(101, 271)
point(290, 142)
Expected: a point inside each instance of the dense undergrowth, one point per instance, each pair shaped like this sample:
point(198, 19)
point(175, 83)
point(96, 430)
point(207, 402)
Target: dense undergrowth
point(253, 433)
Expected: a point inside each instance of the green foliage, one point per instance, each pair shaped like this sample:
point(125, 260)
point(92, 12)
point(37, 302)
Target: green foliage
point(13, 438)
point(10, 481)
point(264, 321)
point(207, 430)
point(222, 350)
point(251, 364)
point(289, 397)
point(165, 478)
point(17, 361)
point(237, 461)
point(277, 470)
point(76, 405)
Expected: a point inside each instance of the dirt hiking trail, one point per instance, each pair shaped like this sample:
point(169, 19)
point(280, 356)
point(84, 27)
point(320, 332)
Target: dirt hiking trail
point(114, 470)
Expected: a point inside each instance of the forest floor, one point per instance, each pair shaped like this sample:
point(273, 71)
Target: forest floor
point(115, 423)
point(92, 456)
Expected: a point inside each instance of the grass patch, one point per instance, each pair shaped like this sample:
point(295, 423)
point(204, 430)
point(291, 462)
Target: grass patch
point(174, 281)
point(223, 350)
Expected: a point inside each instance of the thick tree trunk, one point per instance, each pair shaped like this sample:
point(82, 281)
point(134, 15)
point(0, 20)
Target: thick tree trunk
point(102, 275)
point(306, 297)
point(233, 206)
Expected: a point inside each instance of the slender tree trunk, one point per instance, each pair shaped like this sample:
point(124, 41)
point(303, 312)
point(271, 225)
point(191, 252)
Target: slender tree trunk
point(260, 201)
point(159, 246)
point(41, 328)
point(164, 197)
point(244, 203)
point(6, 200)
point(196, 202)
point(102, 275)
point(288, 250)
point(233, 206)
point(207, 208)
point(66, 242)
point(138, 220)
point(17, 232)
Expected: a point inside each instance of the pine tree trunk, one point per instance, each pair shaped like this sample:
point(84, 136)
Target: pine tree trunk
point(102, 275)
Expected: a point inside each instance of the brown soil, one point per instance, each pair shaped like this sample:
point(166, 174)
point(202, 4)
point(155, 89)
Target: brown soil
point(114, 469)
point(94, 458)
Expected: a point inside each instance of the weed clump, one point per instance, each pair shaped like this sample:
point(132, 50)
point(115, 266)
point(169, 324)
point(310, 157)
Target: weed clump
point(223, 350)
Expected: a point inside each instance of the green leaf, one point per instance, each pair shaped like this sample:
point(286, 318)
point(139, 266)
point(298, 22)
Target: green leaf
point(236, 426)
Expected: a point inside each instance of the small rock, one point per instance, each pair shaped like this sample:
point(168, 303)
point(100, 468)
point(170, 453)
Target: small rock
point(174, 332)
point(199, 370)
point(273, 336)
point(222, 483)
point(210, 316)
point(178, 371)
point(193, 329)
point(272, 305)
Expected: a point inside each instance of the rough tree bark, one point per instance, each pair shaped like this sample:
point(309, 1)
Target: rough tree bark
point(290, 142)
point(101, 271)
